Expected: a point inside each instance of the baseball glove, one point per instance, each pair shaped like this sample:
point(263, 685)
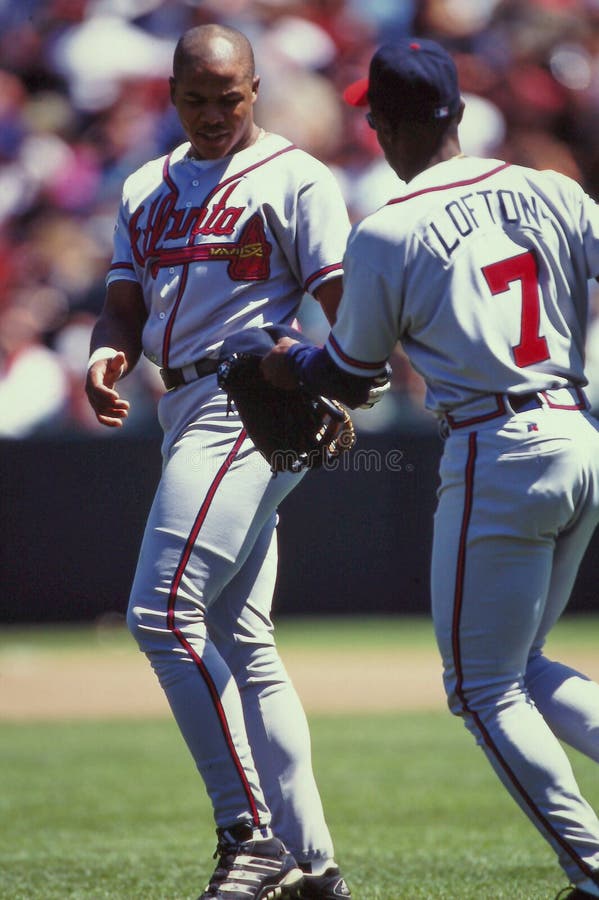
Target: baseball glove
point(291, 429)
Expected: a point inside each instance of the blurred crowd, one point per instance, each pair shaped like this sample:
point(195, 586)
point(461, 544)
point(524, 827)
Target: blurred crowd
point(84, 101)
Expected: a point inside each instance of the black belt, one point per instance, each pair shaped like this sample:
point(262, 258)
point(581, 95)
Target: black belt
point(505, 404)
point(521, 402)
point(174, 378)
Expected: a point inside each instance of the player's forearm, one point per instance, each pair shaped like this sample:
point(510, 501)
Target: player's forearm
point(329, 296)
point(120, 324)
point(110, 332)
point(314, 368)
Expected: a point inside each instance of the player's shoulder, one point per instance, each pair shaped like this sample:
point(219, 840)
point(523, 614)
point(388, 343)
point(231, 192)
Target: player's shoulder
point(375, 235)
point(383, 223)
point(150, 175)
point(549, 180)
point(560, 192)
point(306, 161)
point(300, 165)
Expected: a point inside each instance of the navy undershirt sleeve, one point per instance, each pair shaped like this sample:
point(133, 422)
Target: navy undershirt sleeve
point(316, 371)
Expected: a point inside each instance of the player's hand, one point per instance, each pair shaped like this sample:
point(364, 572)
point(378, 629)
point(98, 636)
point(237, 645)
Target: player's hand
point(276, 368)
point(109, 407)
point(381, 386)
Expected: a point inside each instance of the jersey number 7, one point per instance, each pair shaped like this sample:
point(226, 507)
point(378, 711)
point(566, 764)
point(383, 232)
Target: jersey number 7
point(532, 347)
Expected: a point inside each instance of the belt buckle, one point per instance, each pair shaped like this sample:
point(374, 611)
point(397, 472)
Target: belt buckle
point(164, 376)
point(444, 428)
point(524, 402)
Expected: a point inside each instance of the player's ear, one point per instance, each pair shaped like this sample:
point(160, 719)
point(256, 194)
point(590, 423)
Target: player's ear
point(385, 130)
point(255, 87)
point(172, 85)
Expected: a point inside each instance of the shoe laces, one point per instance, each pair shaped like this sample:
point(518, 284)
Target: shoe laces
point(229, 843)
point(226, 851)
point(228, 847)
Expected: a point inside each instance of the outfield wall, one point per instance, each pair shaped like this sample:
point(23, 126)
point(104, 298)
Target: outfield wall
point(354, 540)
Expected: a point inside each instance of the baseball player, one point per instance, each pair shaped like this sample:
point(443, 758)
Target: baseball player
point(226, 232)
point(480, 269)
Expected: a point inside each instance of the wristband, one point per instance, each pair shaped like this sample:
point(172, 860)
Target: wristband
point(101, 353)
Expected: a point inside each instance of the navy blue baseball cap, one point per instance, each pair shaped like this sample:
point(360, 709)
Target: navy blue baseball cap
point(412, 78)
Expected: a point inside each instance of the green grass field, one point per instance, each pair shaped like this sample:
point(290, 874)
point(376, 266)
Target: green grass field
point(115, 809)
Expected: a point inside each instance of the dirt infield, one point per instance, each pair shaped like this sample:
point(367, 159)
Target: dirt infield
point(121, 684)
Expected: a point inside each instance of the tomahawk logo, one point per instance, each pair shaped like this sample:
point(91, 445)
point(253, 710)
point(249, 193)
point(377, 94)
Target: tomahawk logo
point(248, 257)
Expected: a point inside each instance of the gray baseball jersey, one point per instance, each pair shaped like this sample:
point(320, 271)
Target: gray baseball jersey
point(480, 270)
point(204, 237)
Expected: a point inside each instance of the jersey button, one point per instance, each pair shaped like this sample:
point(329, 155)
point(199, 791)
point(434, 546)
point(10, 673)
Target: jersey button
point(188, 203)
point(172, 271)
point(195, 182)
point(162, 315)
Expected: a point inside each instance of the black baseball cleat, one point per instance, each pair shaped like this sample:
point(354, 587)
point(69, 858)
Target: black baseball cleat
point(573, 893)
point(251, 869)
point(331, 885)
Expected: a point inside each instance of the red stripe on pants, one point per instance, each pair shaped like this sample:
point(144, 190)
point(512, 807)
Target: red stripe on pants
point(172, 626)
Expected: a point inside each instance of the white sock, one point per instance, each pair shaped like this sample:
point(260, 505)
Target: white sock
point(318, 866)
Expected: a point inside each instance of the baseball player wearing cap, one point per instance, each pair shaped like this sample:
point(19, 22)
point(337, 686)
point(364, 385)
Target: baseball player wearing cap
point(225, 233)
point(480, 269)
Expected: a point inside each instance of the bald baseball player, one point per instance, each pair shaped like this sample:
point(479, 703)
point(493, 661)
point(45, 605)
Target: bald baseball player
point(226, 232)
point(480, 270)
